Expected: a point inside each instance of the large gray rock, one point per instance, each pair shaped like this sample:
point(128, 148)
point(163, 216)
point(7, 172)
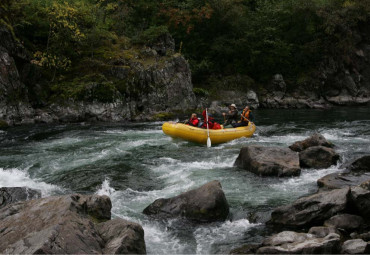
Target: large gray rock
point(341, 180)
point(55, 225)
point(354, 246)
point(360, 165)
point(16, 194)
point(322, 231)
point(311, 210)
point(360, 198)
point(206, 203)
point(289, 242)
point(122, 237)
point(314, 140)
point(345, 221)
point(269, 161)
point(318, 157)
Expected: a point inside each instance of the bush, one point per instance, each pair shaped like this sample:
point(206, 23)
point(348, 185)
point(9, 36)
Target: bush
point(151, 34)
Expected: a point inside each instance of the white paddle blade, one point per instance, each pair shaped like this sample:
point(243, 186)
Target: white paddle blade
point(209, 143)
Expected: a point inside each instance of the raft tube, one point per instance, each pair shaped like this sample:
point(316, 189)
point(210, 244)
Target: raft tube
point(199, 135)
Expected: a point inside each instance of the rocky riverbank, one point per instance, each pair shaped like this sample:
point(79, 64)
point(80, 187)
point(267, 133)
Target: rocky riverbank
point(154, 83)
point(334, 220)
point(70, 224)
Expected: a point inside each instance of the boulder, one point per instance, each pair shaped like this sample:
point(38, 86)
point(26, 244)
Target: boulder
point(311, 210)
point(346, 222)
point(341, 180)
point(289, 242)
point(64, 224)
point(322, 231)
point(318, 157)
point(122, 237)
point(367, 248)
point(364, 236)
point(206, 203)
point(360, 165)
point(16, 194)
point(354, 246)
point(269, 161)
point(360, 198)
point(314, 140)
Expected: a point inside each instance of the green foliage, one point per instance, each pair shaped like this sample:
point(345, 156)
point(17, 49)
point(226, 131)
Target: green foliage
point(200, 92)
point(220, 38)
point(151, 34)
point(88, 88)
point(163, 116)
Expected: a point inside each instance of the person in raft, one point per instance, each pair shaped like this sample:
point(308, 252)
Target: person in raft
point(232, 116)
point(246, 116)
point(193, 121)
point(211, 122)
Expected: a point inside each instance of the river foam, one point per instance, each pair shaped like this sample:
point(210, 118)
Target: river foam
point(20, 178)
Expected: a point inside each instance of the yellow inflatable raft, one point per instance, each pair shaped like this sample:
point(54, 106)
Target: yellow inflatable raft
point(199, 135)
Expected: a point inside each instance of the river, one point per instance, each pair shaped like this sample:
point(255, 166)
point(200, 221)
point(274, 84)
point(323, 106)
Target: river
point(135, 163)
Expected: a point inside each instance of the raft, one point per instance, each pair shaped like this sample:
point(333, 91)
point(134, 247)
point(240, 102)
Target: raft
point(199, 135)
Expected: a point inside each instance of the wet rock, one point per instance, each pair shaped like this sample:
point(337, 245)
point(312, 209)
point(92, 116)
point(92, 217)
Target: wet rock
point(367, 248)
point(206, 203)
point(360, 198)
point(311, 210)
point(269, 161)
point(354, 246)
point(322, 231)
point(318, 157)
point(364, 236)
point(365, 185)
point(122, 237)
point(246, 249)
point(341, 180)
point(64, 224)
point(16, 194)
point(289, 242)
point(314, 140)
point(360, 165)
point(345, 222)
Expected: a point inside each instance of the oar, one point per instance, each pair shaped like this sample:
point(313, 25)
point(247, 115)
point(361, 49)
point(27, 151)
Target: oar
point(208, 139)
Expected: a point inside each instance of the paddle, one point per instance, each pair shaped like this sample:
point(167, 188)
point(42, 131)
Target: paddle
point(208, 139)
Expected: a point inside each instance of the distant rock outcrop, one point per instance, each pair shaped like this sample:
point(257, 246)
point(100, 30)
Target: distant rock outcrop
point(206, 203)
point(153, 81)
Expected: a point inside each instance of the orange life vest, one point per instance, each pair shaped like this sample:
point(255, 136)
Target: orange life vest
point(246, 115)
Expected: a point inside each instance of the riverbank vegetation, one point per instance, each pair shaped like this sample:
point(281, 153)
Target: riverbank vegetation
point(221, 39)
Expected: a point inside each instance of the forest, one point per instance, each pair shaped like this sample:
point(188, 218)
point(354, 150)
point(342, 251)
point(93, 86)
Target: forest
point(221, 39)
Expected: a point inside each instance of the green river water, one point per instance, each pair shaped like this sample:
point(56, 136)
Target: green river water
point(135, 163)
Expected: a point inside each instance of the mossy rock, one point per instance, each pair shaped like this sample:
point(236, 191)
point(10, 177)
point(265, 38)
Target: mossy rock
point(163, 116)
point(3, 124)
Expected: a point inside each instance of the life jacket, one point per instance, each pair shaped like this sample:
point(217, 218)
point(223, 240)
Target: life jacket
point(216, 126)
point(194, 122)
point(211, 122)
point(246, 115)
